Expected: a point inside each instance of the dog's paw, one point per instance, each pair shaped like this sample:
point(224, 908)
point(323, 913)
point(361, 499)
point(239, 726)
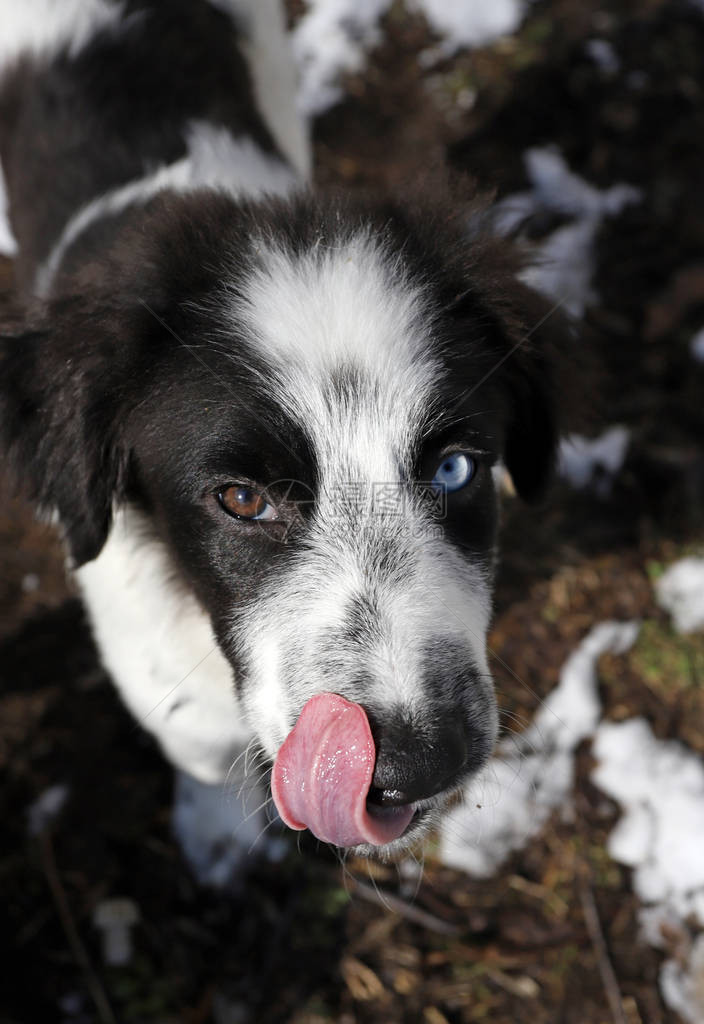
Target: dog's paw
point(220, 832)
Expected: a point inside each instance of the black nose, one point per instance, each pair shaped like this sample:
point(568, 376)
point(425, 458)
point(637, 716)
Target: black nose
point(413, 763)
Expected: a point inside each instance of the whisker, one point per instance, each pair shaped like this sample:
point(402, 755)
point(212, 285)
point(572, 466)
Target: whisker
point(261, 834)
point(380, 894)
point(257, 810)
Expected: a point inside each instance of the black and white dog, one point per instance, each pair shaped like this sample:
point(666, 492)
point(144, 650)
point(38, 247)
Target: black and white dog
point(267, 422)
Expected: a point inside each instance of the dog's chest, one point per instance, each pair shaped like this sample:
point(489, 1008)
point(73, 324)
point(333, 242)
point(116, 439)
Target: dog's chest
point(159, 647)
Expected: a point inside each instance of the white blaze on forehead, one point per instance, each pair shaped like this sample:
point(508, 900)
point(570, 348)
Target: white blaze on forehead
point(346, 307)
point(347, 339)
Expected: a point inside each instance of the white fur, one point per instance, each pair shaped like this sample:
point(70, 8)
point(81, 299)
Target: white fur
point(214, 160)
point(270, 60)
point(8, 243)
point(158, 645)
point(44, 28)
point(345, 305)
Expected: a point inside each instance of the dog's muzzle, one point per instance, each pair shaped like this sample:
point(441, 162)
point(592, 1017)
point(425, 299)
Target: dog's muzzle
point(353, 780)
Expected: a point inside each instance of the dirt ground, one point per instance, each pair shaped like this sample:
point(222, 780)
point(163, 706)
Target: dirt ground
point(553, 937)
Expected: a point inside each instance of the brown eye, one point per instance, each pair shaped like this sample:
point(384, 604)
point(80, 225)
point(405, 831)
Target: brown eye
point(244, 503)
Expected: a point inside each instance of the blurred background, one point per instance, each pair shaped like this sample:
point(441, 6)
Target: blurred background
point(586, 123)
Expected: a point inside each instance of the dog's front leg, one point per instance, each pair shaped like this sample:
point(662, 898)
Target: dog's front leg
point(222, 827)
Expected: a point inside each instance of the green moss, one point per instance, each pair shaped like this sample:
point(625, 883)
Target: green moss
point(332, 901)
point(654, 569)
point(605, 872)
point(550, 613)
point(140, 991)
point(566, 957)
point(666, 661)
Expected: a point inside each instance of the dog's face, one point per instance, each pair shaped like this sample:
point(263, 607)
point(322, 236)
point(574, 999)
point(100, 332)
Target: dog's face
point(309, 407)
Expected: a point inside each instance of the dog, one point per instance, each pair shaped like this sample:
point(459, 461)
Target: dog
point(269, 423)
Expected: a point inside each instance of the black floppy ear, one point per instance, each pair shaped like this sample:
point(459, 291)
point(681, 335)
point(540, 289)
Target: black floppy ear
point(531, 438)
point(512, 344)
point(60, 421)
point(536, 335)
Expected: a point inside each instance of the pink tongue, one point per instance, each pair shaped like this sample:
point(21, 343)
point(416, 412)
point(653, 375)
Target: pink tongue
point(323, 772)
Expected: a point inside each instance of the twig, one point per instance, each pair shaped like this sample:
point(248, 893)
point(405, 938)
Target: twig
point(596, 934)
point(407, 910)
point(79, 951)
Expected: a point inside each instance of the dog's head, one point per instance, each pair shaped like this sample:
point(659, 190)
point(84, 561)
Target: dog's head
point(310, 402)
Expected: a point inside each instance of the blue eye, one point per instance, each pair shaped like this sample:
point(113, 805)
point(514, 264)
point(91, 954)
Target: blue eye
point(454, 472)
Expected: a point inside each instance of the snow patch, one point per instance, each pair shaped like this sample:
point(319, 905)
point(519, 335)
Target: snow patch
point(331, 40)
point(30, 583)
point(558, 188)
point(564, 267)
point(603, 54)
point(680, 591)
point(682, 984)
point(660, 787)
point(334, 38)
point(564, 262)
point(583, 461)
point(532, 773)
point(470, 22)
point(696, 345)
point(46, 808)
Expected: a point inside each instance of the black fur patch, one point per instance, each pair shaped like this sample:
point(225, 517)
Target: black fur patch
point(74, 128)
